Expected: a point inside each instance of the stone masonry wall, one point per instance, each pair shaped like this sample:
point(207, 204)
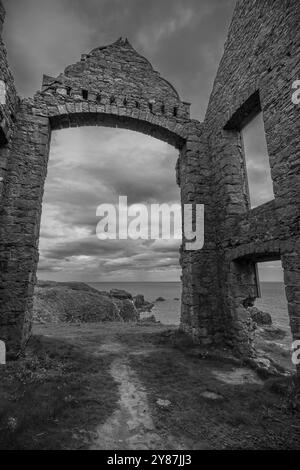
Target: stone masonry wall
point(260, 63)
point(112, 86)
point(8, 103)
point(115, 86)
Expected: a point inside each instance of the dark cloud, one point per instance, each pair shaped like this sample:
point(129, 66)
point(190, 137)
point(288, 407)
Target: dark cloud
point(91, 166)
point(91, 246)
point(98, 260)
point(182, 38)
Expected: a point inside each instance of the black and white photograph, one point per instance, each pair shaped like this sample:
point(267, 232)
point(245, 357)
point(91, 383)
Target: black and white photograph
point(150, 228)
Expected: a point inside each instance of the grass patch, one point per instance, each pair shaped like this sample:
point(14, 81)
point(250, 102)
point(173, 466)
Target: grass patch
point(54, 397)
point(248, 416)
point(57, 395)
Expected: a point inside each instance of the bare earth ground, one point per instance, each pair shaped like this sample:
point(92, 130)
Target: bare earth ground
point(135, 386)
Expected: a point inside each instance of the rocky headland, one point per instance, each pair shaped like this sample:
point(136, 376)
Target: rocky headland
point(76, 302)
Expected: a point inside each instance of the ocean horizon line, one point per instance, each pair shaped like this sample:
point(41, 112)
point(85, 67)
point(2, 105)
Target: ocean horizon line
point(152, 282)
point(136, 282)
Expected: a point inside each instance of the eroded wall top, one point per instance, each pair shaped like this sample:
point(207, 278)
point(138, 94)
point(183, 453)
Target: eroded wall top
point(116, 75)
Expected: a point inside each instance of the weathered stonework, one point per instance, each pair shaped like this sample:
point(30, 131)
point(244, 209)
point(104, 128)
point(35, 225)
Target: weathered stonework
point(115, 86)
point(8, 103)
point(260, 62)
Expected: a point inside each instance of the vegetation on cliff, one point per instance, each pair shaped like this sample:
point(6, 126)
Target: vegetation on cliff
point(75, 302)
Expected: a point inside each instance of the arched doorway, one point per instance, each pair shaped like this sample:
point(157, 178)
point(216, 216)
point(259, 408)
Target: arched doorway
point(115, 87)
point(92, 166)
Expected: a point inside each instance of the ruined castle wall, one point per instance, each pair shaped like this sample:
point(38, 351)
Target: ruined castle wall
point(200, 310)
point(8, 103)
point(114, 77)
point(111, 86)
point(261, 61)
point(8, 109)
point(115, 86)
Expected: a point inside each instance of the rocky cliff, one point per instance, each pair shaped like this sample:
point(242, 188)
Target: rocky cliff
point(78, 302)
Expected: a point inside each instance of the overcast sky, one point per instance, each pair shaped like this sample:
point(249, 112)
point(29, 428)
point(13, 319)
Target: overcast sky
point(183, 39)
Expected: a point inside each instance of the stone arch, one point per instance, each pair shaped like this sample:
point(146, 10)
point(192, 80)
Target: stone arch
point(157, 128)
point(102, 89)
point(117, 86)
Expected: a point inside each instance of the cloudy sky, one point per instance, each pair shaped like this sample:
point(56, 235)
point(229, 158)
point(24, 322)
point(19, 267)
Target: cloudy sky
point(184, 40)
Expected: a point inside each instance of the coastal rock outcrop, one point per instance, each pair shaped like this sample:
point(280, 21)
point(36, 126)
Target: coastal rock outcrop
point(139, 300)
point(78, 302)
point(141, 304)
point(260, 317)
point(126, 308)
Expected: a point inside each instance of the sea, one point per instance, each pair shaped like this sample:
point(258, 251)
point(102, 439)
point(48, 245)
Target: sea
point(272, 300)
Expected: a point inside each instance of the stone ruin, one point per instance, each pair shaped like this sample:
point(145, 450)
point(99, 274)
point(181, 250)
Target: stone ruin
point(115, 86)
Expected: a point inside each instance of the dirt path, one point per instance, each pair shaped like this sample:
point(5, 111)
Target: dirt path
point(131, 426)
point(133, 387)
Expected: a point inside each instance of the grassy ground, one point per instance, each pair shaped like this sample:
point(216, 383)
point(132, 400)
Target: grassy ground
point(56, 396)
point(262, 415)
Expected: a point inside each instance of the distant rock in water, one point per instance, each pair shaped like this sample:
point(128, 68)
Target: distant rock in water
point(160, 299)
point(260, 317)
point(78, 302)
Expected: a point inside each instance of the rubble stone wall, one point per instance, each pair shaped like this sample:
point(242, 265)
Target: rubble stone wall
point(260, 63)
point(115, 86)
point(8, 103)
point(111, 86)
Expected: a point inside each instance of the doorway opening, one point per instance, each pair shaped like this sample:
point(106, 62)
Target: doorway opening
point(89, 166)
point(274, 333)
